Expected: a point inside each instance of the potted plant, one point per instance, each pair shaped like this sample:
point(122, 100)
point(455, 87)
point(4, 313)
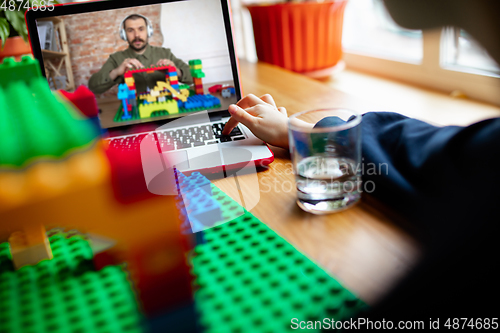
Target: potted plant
point(302, 36)
point(13, 32)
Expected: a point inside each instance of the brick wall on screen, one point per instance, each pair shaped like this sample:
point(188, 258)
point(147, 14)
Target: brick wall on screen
point(92, 37)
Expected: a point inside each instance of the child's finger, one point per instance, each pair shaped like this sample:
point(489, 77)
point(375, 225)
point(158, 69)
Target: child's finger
point(249, 101)
point(230, 125)
point(282, 110)
point(268, 99)
point(238, 115)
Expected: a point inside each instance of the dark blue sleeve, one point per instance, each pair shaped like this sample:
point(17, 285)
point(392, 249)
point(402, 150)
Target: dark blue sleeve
point(445, 181)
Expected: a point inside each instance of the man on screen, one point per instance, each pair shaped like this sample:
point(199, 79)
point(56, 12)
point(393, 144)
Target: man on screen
point(136, 30)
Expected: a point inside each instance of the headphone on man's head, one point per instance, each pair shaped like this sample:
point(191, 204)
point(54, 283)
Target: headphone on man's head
point(123, 34)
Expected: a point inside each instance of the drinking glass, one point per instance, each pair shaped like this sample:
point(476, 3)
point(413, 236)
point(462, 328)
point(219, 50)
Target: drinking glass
point(325, 147)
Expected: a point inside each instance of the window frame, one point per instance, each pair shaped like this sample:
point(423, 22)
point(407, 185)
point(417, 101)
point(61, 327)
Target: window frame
point(475, 84)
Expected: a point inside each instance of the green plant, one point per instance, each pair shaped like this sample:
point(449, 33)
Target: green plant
point(12, 22)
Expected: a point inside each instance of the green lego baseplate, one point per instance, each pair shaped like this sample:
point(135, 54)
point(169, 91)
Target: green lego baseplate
point(66, 294)
point(249, 279)
point(134, 114)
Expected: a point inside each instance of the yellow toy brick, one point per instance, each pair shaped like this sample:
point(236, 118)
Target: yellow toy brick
point(145, 110)
point(174, 92)
point(185, 93)
point(29, 246)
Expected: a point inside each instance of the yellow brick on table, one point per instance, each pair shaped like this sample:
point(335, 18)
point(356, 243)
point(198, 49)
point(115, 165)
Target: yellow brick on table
point(29, 246)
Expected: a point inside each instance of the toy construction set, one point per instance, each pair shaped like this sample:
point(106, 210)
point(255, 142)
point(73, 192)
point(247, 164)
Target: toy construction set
point(167, 97)
point(85, 247)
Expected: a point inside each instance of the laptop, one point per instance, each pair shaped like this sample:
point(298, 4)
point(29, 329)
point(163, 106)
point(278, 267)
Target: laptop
point(198, 33)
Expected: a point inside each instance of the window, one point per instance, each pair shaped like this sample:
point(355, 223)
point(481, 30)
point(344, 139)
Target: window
point(462, 53)
point(445, 59)
point(369, 29)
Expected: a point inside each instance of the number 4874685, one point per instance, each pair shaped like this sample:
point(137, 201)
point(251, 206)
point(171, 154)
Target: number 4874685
point(471, 323)
point(18, 5)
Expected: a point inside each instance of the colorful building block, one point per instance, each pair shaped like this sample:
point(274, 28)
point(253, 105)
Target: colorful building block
point(227, 92)
point(195, 180)
point(83, 99)
point(59, 128)
point(54, 173)
point(24, 70)
point(194, 62)
point(30, 246)
point(201, 207)
point(201, 101)
point(124, 96)
point(198, 74)
point(174, 92)
point(215, 88)
point(145, 110)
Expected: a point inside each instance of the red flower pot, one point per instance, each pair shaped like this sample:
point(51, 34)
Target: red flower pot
point(15, 47)
point(302, 37)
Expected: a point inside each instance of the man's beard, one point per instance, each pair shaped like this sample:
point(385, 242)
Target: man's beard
point(132, 46)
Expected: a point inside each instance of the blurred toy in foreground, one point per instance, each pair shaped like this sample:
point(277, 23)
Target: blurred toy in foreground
point(56, 173)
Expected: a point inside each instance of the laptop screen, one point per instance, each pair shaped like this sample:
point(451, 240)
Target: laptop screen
point(147, 63)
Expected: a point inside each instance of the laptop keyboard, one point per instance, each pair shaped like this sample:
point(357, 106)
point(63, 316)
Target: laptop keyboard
point(196, 136)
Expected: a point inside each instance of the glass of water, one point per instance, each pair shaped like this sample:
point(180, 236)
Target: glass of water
point(325, 146)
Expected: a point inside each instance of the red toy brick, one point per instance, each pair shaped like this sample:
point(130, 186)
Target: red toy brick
point(84, 100)
point(215, 88)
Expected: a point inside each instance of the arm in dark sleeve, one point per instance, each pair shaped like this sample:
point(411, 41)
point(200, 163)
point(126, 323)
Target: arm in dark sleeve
point(100, 82)
point(445, 181)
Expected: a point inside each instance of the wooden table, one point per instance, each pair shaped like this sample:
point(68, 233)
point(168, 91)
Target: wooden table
point(362, 247)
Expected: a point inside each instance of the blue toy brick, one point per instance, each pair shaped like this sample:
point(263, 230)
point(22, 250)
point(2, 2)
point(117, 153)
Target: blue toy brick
point(123, 92)
point(188, 226)
point(132, 94)
point(201, 207)
point(205, 101)
point(192, 103)
point(195, 202)
point(196, 180)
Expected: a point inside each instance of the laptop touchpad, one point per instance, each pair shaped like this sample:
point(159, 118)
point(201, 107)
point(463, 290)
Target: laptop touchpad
point(207, 157)
point(179, 159)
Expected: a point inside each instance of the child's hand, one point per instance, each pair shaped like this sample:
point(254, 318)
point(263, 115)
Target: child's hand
point(268, 122)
